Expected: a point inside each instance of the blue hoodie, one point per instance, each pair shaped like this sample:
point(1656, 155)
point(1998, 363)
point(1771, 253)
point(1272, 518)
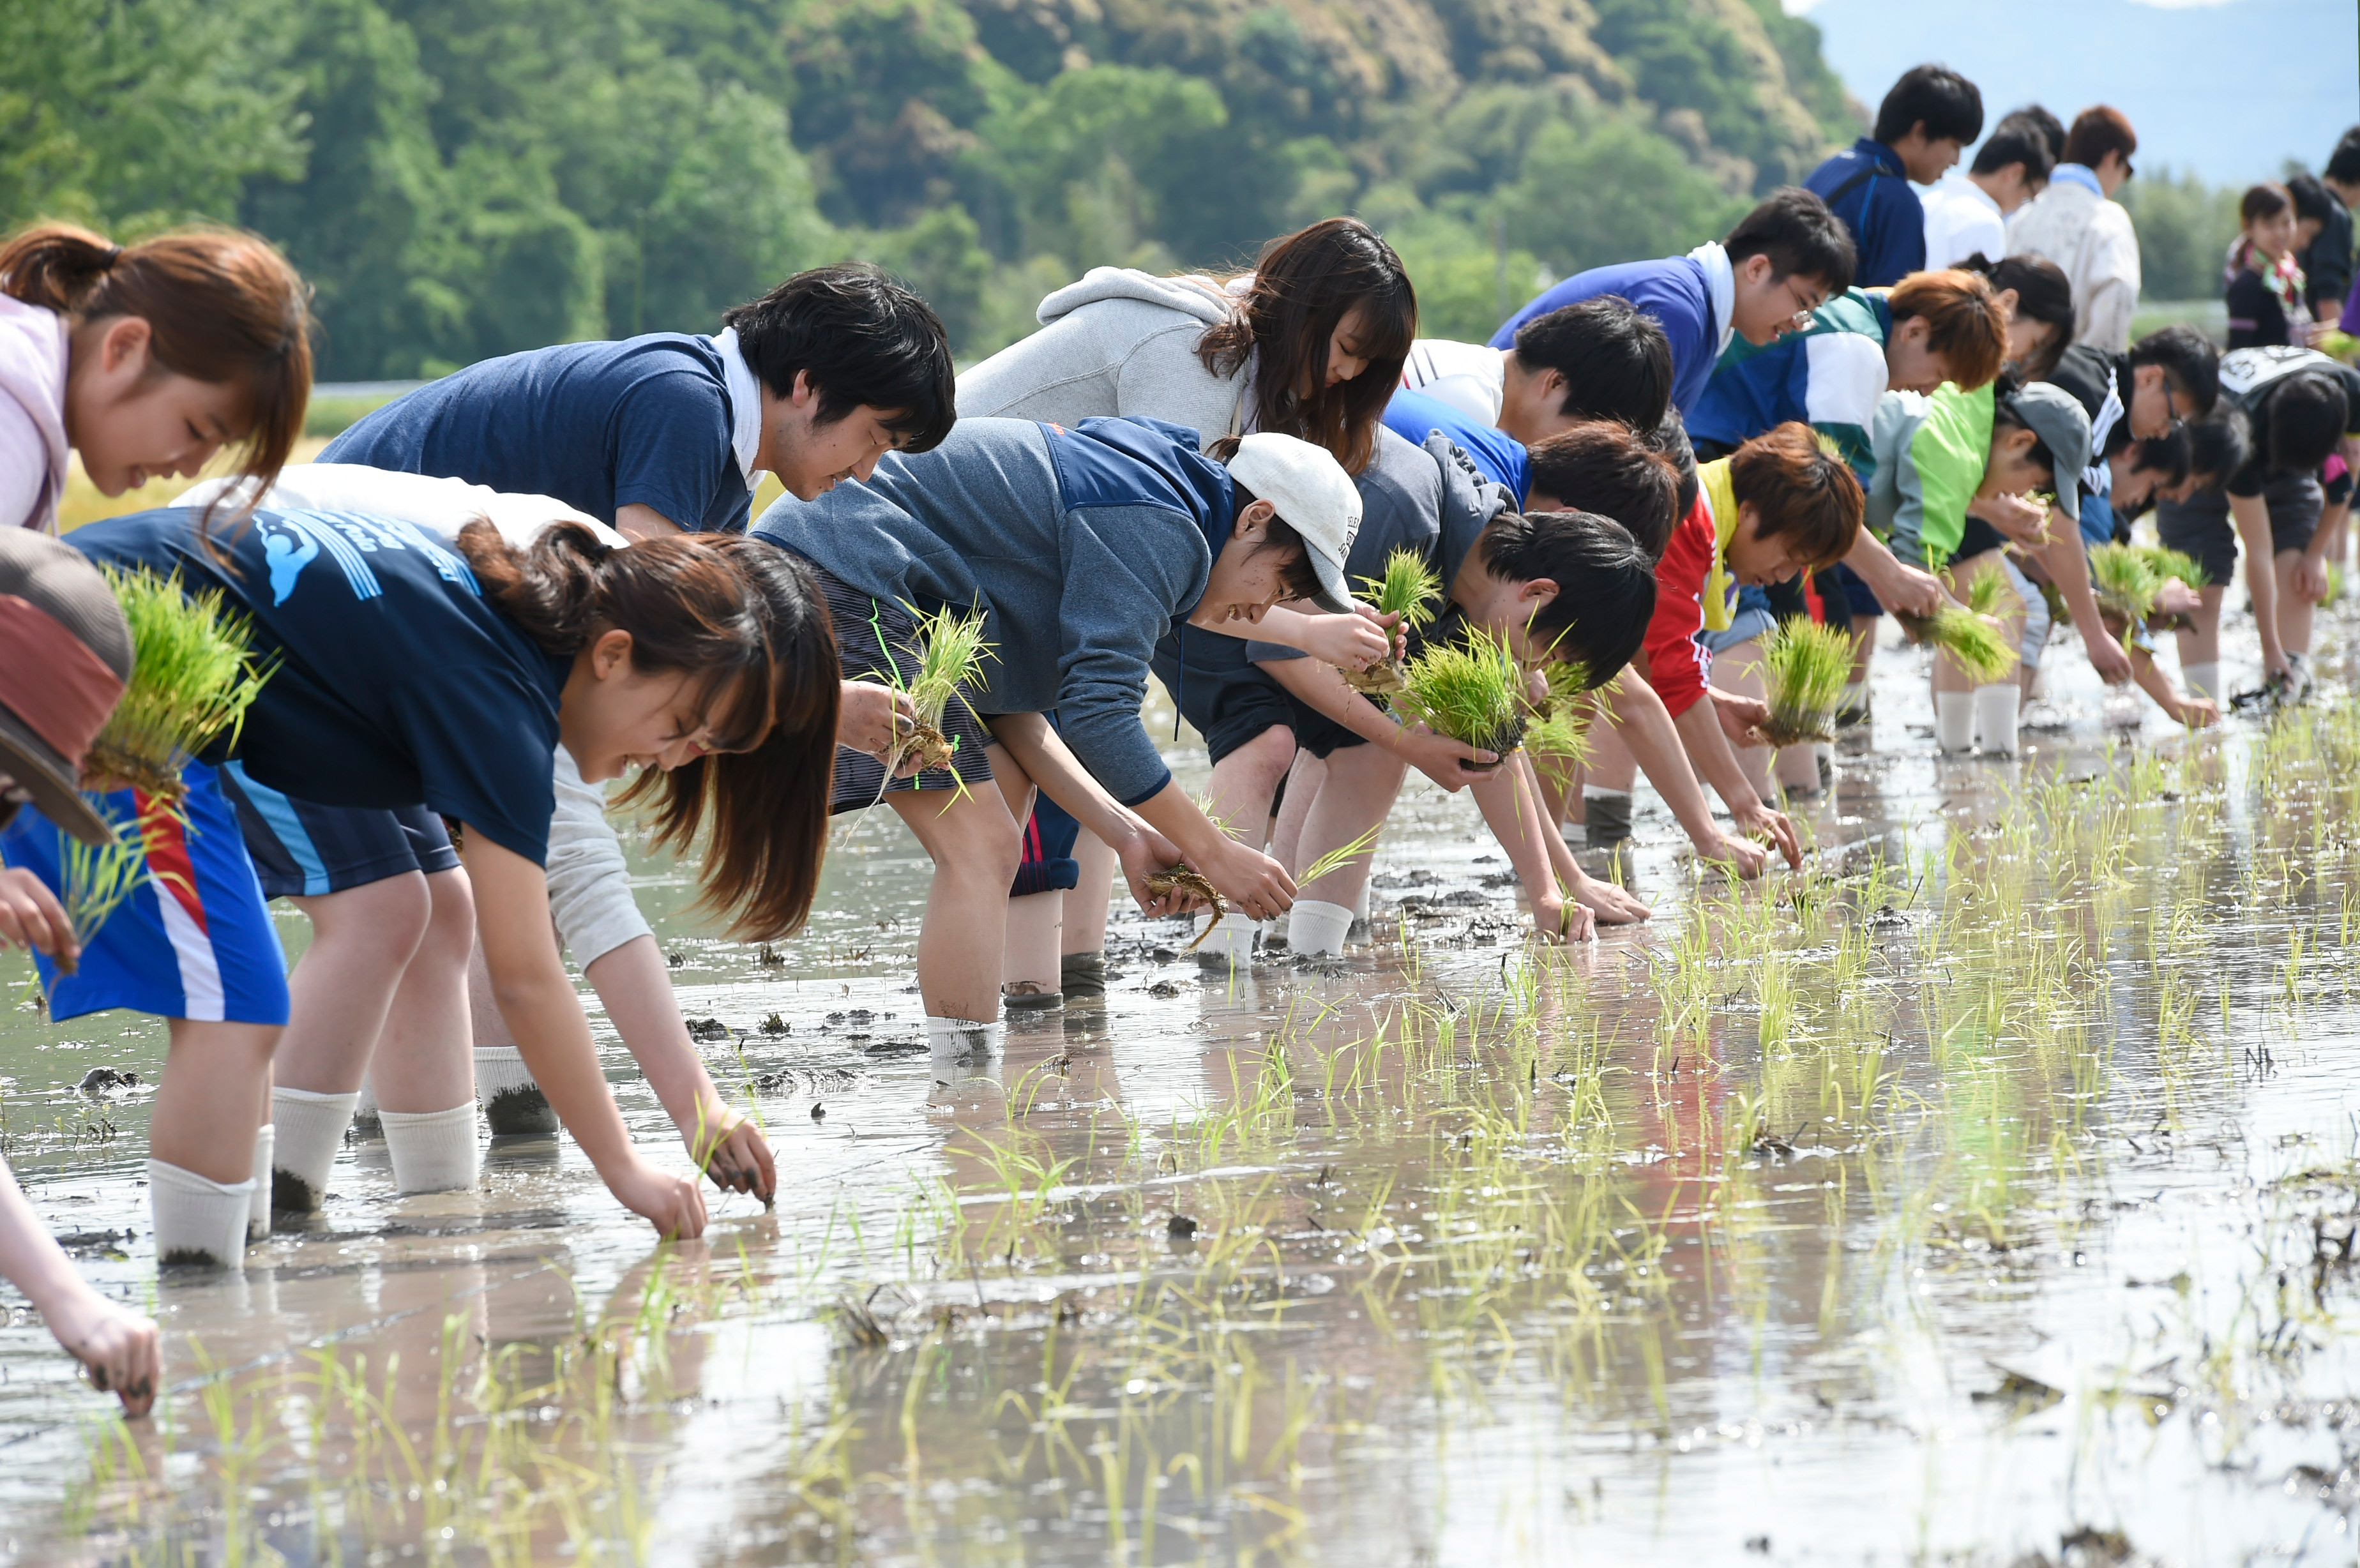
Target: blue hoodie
point(1082, 548)
point(1675, 290)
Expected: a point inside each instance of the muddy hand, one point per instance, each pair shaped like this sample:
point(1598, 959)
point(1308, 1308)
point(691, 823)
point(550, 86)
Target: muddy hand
point(740, 1161)
point(870, 716)
point(117, 1348)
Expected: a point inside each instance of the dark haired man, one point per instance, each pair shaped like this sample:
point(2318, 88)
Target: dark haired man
point(1928, 117)
point(2322, 227)
point(1601, 358)
point(2077, 224)
point(1777, 266)
point(1968, 216)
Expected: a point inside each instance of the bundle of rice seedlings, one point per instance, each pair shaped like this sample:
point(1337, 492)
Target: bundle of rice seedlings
point(1560, 723)
point(1188, 881)
point(2172, 565)
point(1471, 690)
point(1807, 666)
point(951, 651)
point(1981, 649)
point(97, 878)
point(2124, 582)
point(192, 681)
point(1408, 589)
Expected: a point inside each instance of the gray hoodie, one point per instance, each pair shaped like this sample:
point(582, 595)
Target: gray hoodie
point(32, 415)
point(1120, 341)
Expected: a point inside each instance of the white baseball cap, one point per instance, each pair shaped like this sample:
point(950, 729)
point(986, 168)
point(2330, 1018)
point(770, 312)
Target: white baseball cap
point(1315, 496)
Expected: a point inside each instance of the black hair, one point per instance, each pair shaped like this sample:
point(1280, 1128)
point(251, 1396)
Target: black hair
point(1947, 103)
point(2189, 360)
point(1299, 577)
point(1670, 437)
point(1794, 228)
point(2164, 456)
point(2219, 445)
point(1606, 467)
point(2308, 414)
point(1616, 361)
point(1605, 584)
point(2017, 138)
point(2006, 418)
point(865, 340)
point(2052, 129)
point(2310, 198)
point(2343, 163)
point(2043, 294)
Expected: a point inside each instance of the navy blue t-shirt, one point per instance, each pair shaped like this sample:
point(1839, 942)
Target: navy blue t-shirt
point(1501, 457)
point(399, 683)
point(644, 422)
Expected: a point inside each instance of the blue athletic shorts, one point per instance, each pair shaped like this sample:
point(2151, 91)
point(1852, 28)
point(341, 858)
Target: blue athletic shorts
point(192, 941)
point(303, 850)
point(1856, 593)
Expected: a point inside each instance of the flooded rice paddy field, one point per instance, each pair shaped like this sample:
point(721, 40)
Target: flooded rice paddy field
point(1985, 1194)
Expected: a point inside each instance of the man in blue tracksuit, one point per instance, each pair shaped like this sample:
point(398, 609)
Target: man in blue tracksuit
point(1931, 113)
point(1776, 268)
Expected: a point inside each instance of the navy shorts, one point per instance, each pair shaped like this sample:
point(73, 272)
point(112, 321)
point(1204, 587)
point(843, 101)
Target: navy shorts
point(1855, 591)
point(879, 642)
point(1228, 707)
point(302, 850)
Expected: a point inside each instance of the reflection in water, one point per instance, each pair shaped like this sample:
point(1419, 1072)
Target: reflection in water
point(1986, 1193)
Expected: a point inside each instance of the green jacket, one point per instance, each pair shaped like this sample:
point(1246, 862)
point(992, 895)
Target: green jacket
point(1930, 453)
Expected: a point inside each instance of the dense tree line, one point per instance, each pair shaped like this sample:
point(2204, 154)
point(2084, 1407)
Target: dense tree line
point(460, 177)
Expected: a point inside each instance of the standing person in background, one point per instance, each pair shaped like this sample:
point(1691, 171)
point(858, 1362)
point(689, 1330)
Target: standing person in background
point(1928, 117)
point(2322, 246)
point(145, 359)
point(2267, 307)
point(1777, 266)
point(2341, 179)
point(2077, 224)
point(1967, 216)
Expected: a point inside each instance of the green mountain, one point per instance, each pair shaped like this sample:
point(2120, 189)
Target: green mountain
point(463, 178)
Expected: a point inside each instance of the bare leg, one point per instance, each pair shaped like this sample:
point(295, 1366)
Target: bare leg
point(216, 1078)
point(425, 1059)
point(343, 990)
point(2294, 610)
point(1036, 928)
point(1087, 907)
point(977, 847)
point(1362, 784)
point(1739, 670)
point(1303, 782)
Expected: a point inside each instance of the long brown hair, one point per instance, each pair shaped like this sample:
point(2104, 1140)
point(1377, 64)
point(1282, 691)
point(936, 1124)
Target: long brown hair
point(1304, 286)
point(723, 608)
point(222, 307)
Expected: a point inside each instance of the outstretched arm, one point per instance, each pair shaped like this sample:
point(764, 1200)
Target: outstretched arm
point(116, 1345)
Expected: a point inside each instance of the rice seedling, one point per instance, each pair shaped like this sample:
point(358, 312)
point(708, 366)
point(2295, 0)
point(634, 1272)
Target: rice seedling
point(2125, 581)
point(1189, 882)
point(1336, 859)
point(1472, 691)
point(1408, 589)
point(951, 651)
point(1981, 648)
point(192, 681)
point(1808, 665)
point(97, 879)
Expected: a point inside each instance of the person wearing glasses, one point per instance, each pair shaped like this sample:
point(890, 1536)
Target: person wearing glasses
point(2076, 222)
point(1777, 266)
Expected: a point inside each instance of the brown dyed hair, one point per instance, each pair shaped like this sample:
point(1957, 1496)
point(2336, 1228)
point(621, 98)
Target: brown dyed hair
point(2097, 132)
point(1799, 487)
point(727, 609)
point(1304, 286)
point(224, 307)
point(1964, 323)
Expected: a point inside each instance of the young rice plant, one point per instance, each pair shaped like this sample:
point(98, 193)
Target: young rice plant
point(1807, 666)
point(1471, 690)
point(192, 681)
point(1408, 589)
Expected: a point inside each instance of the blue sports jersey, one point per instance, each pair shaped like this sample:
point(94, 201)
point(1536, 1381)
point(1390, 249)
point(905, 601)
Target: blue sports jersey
point(399, 685)
point(1673, 290)
point(1498, 456)
point(1867, 189)
point(642, 422)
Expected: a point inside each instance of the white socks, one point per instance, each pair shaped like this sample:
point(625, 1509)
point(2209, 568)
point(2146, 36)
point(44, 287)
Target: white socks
point(957, 1040)
point(1315, 930)
point(1360, 904)
point(198, 1221)
point(2203, 680)
point(258, 1207)
point(512, 1102)
point(433, 1151)
point(1229, 943)
point(1995, 717)
point(365, 1104)
point(1954, 721)
point(310, 1129)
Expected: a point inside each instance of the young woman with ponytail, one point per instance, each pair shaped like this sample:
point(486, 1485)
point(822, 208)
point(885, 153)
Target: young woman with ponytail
point(147, 359)
point(419, 674)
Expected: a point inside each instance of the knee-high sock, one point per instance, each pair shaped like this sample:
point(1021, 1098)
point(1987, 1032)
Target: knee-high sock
point(1954, 721)
point(433, 1151)
point(955, 1039)
point(198, 1220)
point(1316, 930)
point(257, 1205)
point(310, 1129)
point(1231, 942)
point(1995, 714)
point(2203, 680)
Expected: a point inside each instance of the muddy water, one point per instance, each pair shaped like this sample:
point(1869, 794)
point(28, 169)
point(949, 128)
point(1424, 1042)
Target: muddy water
point(1985, 1194)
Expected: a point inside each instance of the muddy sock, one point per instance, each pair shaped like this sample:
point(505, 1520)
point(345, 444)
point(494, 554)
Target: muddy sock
point(1271, 934)
point(512, 1102)
point(1954, 721)
point(257, 1205)
point(1316, 930)
point(1082, 973)
point(310, 1129)
point(433, 1151)
point(1605, 816)
point(1360, 904)
point(1030, 996)
point(365, 1106)
point(2203, 680)
point(199, 1221)
point(1231, 942)
point(955, 1040)
point(1996, 712)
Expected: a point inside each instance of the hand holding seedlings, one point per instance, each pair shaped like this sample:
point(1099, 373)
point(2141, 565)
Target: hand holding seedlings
point(870, 717)
point(1185, 887)
point(2021, 518)
point(1741, 717)
point(1808, 665)
point(1353, 643)
point(1404, 598)
point(1471, 690)
point(951, 651)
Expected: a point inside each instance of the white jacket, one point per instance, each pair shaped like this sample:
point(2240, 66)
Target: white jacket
point(1120, 341)
point(32, 415)
point(2091, 239)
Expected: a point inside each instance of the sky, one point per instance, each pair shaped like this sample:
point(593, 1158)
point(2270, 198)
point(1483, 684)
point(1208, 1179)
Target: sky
point(2228, 88)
